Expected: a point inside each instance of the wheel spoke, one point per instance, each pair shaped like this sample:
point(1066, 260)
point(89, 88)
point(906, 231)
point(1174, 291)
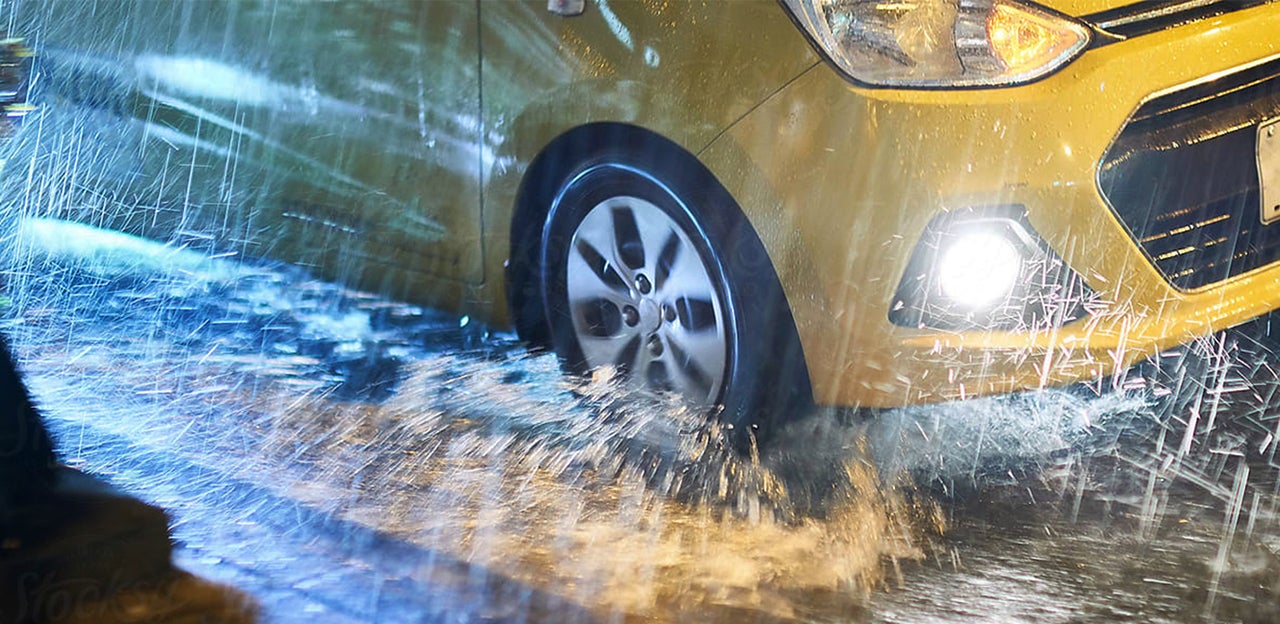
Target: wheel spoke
point(585, 290)
point(626, 359)
point(697, 383)
point(618, 351)
point(696, 315)
point(704, 351)
point(601, 317)
point(658, 377)
point(666, 260)
point(601, 267)
point(687, 277)
point(627, 238)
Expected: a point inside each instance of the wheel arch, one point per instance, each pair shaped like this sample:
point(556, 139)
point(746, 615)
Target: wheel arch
point(546, 174)
point(581, 148)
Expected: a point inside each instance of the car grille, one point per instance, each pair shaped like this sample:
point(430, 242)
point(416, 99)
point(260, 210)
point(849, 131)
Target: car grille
point(1182, 177)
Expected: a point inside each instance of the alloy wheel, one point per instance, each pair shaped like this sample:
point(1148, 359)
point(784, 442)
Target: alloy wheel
point(643, 301)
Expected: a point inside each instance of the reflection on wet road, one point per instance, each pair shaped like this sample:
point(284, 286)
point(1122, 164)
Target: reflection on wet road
point(346, 458)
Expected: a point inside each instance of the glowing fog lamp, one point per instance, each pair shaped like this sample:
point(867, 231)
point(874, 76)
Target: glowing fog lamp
point(940, 43)
point(985, 268)
point(978, 269)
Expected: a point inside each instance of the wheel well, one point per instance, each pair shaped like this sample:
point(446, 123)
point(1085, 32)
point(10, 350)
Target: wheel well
point(776, 345)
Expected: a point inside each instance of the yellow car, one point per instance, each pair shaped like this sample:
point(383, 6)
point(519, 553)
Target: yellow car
point(755, 204)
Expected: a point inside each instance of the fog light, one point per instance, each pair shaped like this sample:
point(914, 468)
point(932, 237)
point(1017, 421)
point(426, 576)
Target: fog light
point(978, 269)
point(985, 268)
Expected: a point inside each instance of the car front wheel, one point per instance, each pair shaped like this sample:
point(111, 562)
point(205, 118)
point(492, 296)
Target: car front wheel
point(650, 268)
point(641, 296)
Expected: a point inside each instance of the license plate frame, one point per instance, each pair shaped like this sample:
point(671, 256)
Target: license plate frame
point(1268, 155)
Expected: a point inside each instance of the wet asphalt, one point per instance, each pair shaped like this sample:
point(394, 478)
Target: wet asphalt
point(344, 458)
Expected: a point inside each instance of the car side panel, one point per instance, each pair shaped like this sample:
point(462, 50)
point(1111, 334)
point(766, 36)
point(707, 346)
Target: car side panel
point(685, 70)
point(342, 136)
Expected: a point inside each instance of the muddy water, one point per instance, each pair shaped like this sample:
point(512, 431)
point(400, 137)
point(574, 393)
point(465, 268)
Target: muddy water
point(437, 460)
point(618, 504)
point(566, 493)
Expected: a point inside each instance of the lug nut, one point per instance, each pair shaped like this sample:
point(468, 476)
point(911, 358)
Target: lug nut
point(630, 316)
point(655, 346)
point(643, 285)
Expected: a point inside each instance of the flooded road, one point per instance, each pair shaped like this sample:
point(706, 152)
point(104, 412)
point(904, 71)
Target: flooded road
point(344, 458)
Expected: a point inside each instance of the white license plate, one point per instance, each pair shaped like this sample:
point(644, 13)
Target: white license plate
point(1269, 169)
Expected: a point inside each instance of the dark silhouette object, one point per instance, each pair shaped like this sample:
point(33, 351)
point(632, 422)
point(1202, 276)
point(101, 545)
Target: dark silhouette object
point(27, 461)
point(68, 542)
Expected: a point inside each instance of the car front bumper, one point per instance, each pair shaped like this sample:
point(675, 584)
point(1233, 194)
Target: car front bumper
point(840, 182)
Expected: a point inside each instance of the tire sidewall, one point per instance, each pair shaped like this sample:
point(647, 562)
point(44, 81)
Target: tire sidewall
point(765, 380)
point(585, 190)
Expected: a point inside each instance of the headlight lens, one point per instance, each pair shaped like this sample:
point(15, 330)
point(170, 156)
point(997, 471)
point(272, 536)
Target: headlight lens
point(940, 43)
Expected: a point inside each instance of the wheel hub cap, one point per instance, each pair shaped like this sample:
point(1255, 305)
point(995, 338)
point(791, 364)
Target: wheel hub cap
point(642, 300)
point(650, 315)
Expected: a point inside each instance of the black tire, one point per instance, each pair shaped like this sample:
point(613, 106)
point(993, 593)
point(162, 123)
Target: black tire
point(765, 381)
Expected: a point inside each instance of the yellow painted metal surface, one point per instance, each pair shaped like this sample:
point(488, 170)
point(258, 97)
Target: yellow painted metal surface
point(841, 181)
point(1087, 7)
point(685, 70)
point(383, 143)
point(341, 136)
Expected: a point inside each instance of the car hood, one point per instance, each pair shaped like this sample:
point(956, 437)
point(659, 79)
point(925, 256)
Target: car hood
point(1077, 8)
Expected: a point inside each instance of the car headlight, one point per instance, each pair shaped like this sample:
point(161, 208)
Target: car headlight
point(983, 268)
point(940, 43)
